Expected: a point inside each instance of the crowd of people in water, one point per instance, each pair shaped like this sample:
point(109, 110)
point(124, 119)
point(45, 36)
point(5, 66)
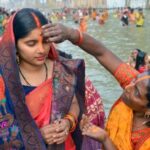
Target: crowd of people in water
point(47, 102)
point(81, 16)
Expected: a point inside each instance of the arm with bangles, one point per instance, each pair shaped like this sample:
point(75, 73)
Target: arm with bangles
point(94, 47)
point(58, 33)
point(68, 123)
point(57, 132)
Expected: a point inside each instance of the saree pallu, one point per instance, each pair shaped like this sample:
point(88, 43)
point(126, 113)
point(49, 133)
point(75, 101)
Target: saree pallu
point(53, 98)
point(20, 126)
point(119, 127)
point(64, 84)
point(119, 124)
point(22, 129)
point(94, 110)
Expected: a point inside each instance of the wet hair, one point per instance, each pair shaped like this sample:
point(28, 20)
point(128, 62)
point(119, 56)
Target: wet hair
point(25, 21)
point(140, 59)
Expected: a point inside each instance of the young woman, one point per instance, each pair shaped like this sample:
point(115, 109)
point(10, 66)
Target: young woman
point(128, 125)
point(42, 109)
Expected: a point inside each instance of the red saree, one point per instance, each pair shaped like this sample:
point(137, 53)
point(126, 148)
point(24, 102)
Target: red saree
point(39, 103)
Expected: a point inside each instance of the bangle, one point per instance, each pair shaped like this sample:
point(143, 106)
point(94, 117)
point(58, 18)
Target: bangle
point(80, 40)
point(72, 121)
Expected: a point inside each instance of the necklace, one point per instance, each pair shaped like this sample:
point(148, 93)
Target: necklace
point(46, 76)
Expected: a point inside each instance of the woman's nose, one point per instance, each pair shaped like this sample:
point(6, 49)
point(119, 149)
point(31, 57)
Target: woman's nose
point(41, 48)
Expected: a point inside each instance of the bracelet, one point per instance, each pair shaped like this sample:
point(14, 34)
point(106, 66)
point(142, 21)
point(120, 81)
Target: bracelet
point(80, 40)
point(72, 121)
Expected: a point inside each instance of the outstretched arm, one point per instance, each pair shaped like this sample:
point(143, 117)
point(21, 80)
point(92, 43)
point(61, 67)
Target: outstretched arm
point(96, 133)
point(58, 33)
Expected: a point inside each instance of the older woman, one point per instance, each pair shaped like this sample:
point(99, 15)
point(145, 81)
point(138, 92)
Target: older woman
point(128, 125)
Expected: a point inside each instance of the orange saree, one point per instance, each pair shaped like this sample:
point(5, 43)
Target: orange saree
point(119, 124)
point(39, 102)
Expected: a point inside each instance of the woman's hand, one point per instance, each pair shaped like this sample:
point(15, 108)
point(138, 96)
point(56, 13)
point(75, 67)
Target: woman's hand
point(48, 132)
point(95, 132)
point(56, 32)
point(92, 130)
point(62, 131)
point(56, 132)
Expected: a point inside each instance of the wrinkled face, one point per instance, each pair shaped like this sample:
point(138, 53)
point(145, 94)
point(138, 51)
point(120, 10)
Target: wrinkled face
point(135, 93)
point(33, 49)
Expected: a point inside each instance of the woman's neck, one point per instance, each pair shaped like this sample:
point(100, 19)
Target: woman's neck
point(33, 75)
point(138, 114)
point(29, 68)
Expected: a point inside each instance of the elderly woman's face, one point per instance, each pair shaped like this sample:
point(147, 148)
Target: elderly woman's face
point(135, 93)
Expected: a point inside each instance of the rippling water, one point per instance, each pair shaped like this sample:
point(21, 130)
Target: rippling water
point(121, 40)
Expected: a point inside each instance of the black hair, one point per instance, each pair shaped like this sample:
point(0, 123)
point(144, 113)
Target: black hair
point(140, 59)
point(138, 50)
point(24, 22)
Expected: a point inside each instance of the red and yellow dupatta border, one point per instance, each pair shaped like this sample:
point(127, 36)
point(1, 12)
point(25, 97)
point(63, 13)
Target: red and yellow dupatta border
point(141, 139)
point(124, 74)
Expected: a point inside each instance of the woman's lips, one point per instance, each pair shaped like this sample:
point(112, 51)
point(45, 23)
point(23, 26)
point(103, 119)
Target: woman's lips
point(41, 58)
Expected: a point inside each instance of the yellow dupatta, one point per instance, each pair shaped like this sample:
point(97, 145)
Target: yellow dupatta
point(119, 124)
point(119, 127)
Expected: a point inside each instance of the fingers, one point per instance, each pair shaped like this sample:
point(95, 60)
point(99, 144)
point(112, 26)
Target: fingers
point(48, 129)
point(56, 132)
point(55, 32)
point(63, 125)
point(49, 25)
point(61, 137)
point(48, 133)
point(53, 35)
point(85, 120)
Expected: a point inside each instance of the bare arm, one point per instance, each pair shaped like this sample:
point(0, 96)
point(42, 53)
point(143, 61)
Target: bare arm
point(59, 33)
point(96, 133)
point(94, 47)
point(108, 145)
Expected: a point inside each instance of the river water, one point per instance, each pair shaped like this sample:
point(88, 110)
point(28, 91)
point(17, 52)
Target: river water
point(120, 40)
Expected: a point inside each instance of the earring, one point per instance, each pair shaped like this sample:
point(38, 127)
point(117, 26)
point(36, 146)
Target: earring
point(17, 58)
point(147, 115)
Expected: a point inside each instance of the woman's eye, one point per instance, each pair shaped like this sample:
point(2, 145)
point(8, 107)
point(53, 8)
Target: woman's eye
point(31, 43)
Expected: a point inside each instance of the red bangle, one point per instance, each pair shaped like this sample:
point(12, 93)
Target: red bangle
point(80, 40)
